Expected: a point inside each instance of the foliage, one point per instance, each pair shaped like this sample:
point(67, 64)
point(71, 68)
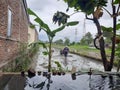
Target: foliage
point(58, 65)
point(118, 51)
point(108, 32)
point(73, 43)
point(116, 1)
point(60, 17)
point(67, 41)
point(87, 39)
point(118, 56)
point(109, 29)
point(38, 44)
point(86, 6)
point(60, 41)
point(23, 61)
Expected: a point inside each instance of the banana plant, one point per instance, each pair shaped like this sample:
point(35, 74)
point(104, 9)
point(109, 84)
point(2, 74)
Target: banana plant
point(50, 33)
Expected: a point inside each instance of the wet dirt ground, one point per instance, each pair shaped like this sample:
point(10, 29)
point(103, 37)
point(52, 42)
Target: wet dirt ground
point(79, 62)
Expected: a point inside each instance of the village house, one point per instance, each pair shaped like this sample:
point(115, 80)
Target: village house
point(32, 35)
point(14, 24)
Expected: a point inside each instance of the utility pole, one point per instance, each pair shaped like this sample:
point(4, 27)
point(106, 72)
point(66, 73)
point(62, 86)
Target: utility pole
point(75, 35)
point(84, 27)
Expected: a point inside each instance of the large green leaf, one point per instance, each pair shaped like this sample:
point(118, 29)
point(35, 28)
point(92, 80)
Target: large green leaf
point(43, 44)
point(116, 1)
point(67, 24)
point(58, 29)
point(45, 53)
point(108, 29)
point(118, 26)
point(58, 64)
point(38, 20)
point(40, 43)
point(102, 2)
point(42, 24)
point(30, 12)
point(32, 26)
point(72, 23)
point(51, 34)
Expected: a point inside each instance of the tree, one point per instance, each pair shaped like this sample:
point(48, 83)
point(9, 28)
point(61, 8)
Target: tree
point(108, 36)
point(72, 43)
point(50, 33)
point(95, 8)
point(60, 41)
point(118, 56)
point(87, 39)
point(67, 41)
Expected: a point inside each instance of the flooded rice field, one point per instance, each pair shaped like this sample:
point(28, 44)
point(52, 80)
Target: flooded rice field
point(79, 62)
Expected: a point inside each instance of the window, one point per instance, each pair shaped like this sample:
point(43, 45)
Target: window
point(9, 29)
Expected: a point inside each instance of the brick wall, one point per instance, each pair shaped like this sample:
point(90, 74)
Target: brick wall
point(9, 47)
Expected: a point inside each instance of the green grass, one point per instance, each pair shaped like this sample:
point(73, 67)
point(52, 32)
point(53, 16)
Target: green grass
point(83, 48)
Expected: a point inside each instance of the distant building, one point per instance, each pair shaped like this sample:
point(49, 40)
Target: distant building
point(32, 35)
point(14, 23)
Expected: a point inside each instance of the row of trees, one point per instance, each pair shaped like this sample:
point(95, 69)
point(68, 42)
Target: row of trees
point(61, 42)
point(87, 39)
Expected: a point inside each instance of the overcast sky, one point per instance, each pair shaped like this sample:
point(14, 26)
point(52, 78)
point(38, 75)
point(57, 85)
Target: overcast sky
point(45, 9)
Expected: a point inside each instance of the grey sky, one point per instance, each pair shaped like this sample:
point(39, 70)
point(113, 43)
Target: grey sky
point(45, 9)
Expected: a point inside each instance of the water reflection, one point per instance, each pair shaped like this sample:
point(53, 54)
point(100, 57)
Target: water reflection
point(82, 82)
point(98, 82)
point(38, 82)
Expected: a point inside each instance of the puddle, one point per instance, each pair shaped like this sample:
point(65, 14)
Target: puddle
point(82, 82)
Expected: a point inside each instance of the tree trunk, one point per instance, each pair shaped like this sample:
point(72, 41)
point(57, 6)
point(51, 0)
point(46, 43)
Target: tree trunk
point(113, 39)
point(106, 64)
point(49, 57)
point(118, 67)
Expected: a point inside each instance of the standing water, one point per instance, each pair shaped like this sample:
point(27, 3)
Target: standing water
point(67, 81)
